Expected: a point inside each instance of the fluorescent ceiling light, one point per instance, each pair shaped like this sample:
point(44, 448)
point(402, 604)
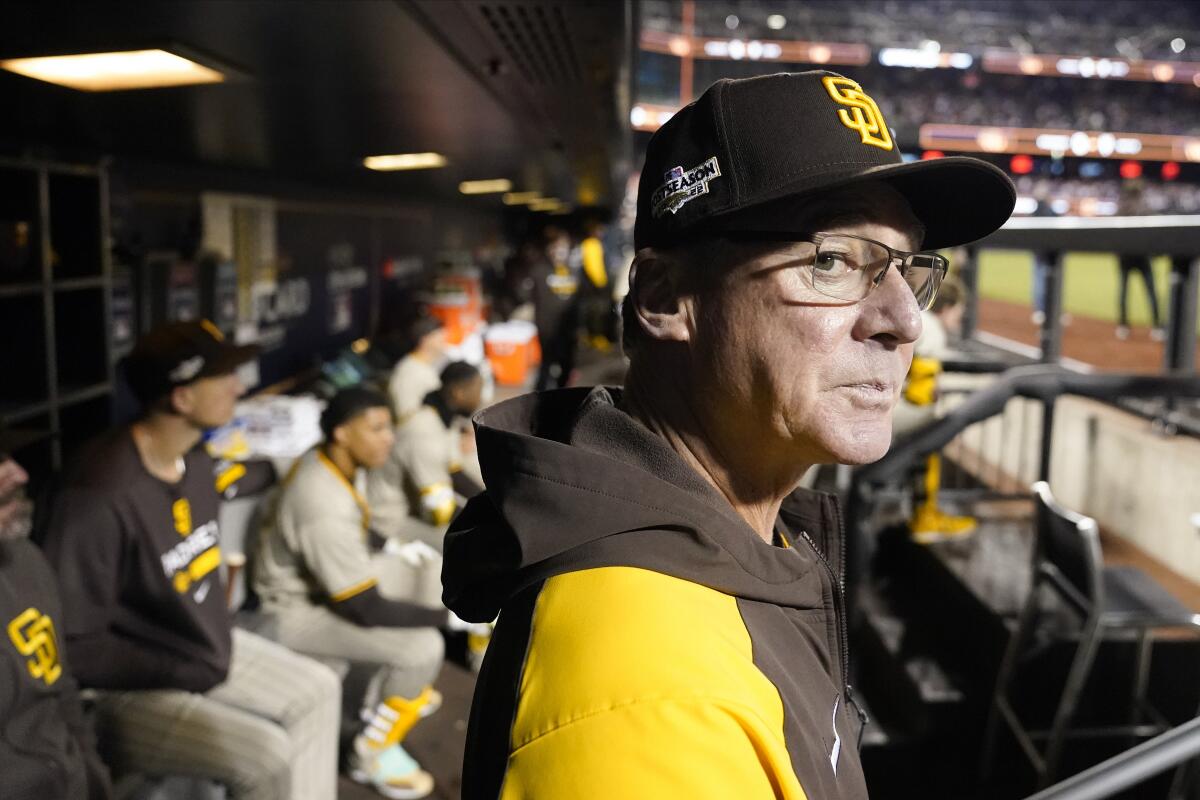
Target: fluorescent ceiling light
point(405, 161)
point(485, 187)
point(521, 198)
point(104, 72)
point(547, 204)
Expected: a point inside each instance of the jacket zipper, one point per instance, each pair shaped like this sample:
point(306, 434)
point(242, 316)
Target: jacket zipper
point(839, 600)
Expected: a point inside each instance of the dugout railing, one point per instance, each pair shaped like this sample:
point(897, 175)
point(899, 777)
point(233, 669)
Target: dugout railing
point(1176, 236)
point(1021, 399)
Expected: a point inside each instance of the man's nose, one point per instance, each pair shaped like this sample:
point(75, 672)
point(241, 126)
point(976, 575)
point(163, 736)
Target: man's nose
point(890, 312)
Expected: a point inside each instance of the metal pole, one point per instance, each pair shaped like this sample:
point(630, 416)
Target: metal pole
point(1129, 768)
point(1180, 352)
point(686, 62)
point(1051, 334)
point(1047, 439)
point(968, 273)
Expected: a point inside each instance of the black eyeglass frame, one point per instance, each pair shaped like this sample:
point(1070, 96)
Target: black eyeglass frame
point(938, 270)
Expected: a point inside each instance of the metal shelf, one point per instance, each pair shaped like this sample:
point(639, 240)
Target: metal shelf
point(72, 395)
point(20, 289)
point(91, 282)
point(15, 412)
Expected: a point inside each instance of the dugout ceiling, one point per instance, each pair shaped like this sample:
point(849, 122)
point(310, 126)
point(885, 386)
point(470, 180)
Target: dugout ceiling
point(532, 90)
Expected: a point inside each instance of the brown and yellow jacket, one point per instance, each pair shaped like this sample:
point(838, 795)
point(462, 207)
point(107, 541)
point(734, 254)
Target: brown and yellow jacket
point(649, 643)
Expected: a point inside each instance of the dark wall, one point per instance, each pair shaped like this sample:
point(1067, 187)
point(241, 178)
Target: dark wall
point(348, 265)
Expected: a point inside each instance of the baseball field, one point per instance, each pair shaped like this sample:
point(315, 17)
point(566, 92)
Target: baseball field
point(1090, 284)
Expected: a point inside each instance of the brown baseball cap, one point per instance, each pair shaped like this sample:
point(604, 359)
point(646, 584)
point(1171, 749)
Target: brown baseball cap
point(178, 353)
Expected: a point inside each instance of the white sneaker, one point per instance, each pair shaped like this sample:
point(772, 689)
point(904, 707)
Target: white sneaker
point(392, 773)
point(1122, 332)
point(1158, 334)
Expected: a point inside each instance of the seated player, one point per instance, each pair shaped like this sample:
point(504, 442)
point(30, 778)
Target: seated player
point(46, 748)
point(918, 405)
point(134, 537)
point(414, 493)
point(314, 573)
point(416, 375)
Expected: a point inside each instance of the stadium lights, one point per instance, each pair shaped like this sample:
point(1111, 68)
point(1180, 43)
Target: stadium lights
point(840, 53)
point(401, 161)
point(926, 58)
point(1178, 45)
point(1025, 205)
point(776, 22)
point(1057, 143)
point(1109, 68)
point(493, 186)
point(106, 72)
point(649, 118)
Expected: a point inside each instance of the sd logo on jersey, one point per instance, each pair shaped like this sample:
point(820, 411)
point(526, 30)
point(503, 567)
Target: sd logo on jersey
point(32, 633)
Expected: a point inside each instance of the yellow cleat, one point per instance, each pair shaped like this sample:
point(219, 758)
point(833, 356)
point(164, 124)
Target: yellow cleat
point(930, 525)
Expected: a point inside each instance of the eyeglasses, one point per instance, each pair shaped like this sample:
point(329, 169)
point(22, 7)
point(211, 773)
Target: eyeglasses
point(848, 267)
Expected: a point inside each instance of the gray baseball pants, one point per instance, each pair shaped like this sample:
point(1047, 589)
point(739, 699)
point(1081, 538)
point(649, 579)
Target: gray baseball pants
point(268, 732)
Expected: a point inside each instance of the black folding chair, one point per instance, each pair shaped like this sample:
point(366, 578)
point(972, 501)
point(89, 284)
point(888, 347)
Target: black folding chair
point(1108, 600)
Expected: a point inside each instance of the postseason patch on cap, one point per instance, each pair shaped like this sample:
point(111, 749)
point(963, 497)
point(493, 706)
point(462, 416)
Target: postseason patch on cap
point(682, 186)
point(186, 370)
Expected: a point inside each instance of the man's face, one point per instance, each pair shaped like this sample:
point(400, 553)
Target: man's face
point(794, 369)
point(209, 402)
point(466, 397)
point(559, 249)
point(369, 437)
point(16, 512)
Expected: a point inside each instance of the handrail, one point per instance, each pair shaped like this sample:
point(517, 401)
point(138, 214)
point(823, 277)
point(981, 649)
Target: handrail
point(1130, 767)
point(1037, 382)
point(1044, 382)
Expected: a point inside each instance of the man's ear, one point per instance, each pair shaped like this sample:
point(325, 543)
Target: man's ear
point(339, 435)
point(181, 401)
point(662, 309)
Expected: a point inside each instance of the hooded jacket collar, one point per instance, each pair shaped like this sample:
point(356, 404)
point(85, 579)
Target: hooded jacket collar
point(573, 483)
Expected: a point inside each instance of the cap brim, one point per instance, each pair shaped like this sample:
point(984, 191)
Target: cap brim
point(229, 360)
point(958, 199)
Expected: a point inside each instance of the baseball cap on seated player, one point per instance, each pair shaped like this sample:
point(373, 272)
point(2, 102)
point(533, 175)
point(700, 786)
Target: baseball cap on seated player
point(740, 156)
point(178, 353)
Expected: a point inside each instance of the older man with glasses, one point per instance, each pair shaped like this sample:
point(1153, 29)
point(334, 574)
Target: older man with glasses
point(673, 617)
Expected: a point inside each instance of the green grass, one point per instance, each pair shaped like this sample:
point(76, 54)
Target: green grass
point(1089, 284)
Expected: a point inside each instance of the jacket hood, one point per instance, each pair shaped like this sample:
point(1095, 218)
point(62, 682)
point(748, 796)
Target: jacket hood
point(573, 482)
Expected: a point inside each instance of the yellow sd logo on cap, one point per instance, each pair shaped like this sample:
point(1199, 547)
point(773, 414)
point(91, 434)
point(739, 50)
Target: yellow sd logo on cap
point(861, 114)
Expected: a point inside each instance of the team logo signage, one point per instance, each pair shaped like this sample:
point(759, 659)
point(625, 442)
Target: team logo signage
point(860, 114)
point(683, 186)
point(32, 633)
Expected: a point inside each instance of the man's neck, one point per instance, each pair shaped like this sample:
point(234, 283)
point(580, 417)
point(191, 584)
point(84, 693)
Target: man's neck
point(341, 459)
point(750, 481)
point(437, 401)
point(161, 441)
